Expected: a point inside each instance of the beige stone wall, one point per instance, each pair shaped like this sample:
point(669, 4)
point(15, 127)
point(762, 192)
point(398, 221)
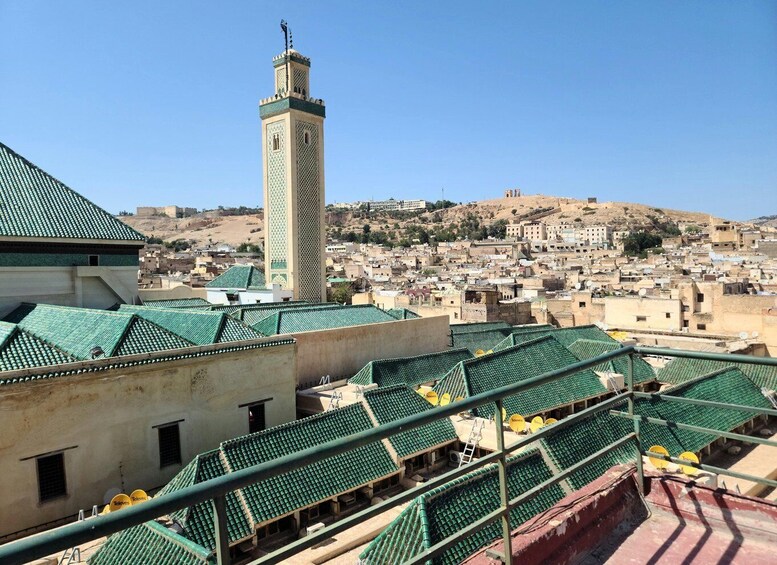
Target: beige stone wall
point(342, 352)
point(89, 287)
point(181, 291)
point(104, 421)
point(642, 313)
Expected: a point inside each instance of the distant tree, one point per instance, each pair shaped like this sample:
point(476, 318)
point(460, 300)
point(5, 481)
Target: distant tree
point(637, 243)
point(342, 293)
point(692, 229)
point(249, 248)
point(125, 213)
point(154, 240)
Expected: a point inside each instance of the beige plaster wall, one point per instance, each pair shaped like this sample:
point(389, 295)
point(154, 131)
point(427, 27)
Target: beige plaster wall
point(622, 312)
point(181, 291)
point(104, 423)
point(342, 352)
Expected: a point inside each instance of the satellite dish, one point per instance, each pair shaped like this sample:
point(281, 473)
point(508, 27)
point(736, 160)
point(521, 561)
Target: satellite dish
point(550, 421)
point(755, 335)
point(578, 286)
point(479, 353)
point(642, 292)
point(687, 469)
point(137, 496)
point(536, 424)
point(431, 397)
point(517, 423)
point(659, 464)
point(119, 501)
point(445, 399)
point(742, 335)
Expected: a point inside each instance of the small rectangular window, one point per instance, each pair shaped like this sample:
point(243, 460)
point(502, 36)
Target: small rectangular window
point(306, 137)
point(256, 422)
point(642, 318)
point(276, 142)
point(701, 326)
point(94, 260)
point(581, 304)
point(668, 314)
point(699, 297)
point(169, 445)
point(685, 323)
point(51, 476)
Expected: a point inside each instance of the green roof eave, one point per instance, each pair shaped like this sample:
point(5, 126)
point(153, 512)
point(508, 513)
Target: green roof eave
point(282, 105)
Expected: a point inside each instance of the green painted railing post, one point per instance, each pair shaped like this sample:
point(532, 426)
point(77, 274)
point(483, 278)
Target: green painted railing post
point(220, 529)
point(504, 495)
point(630, 385)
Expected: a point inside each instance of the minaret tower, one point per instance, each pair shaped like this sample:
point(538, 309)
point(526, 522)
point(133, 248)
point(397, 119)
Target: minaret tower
point(293, 168)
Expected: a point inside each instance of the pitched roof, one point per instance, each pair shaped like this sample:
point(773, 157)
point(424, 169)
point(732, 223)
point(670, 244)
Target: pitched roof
point(443, 511)
point(22, 350)
point(176, 303)
point(395, 402)
point(478, 327)
point(77, 330)
point(411, 371)
point(253, 314)
point(402, 313)
point(479, 339)
point(516, 364)
point(239, 277)
point(197, 327)
point(35, 204)
point(322, 318)
point(680, 370)
point(587, 349)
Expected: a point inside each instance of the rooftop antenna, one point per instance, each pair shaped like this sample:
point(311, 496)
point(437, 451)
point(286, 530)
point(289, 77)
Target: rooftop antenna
point(285, 28)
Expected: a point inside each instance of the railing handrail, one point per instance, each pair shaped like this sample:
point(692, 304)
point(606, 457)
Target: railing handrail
point(75, 534)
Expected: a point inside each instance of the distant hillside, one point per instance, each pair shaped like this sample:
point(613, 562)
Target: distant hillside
point(764, 221)
point(470, 220)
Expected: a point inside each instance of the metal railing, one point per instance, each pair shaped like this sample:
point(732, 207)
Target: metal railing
point(215, 490)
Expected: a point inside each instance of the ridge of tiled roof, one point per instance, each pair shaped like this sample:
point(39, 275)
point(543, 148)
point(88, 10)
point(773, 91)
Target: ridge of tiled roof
point(177, 303)
point(479, 327)
point(402, 313)
point(77, 330)
point(411, 371)
point(394, 402)
point(35, 204)
point(517, 363)
point(197, 327)
point(680, 369)
point(441, 512)
point(480, 339)
point(585, 349)
point(321, 318)
point(22, 350)
point(239, 277)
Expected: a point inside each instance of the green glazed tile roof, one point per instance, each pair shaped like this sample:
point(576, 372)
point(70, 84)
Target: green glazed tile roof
point(199, 328)
point(177, 303)
point(680, 370)
point(77, 330)
point(587, 348)
point(479, 339)
point(478, 327)
point(411, 371)
point(572, 444)
point(395, 402)
point(35, 204)
point(516, 364)
point(318, 481)
point(150, 542)
point(443, 511)
point(21, 350)
point(402, 313)
point(239, 277)
point(323, 318)
point(253, 315)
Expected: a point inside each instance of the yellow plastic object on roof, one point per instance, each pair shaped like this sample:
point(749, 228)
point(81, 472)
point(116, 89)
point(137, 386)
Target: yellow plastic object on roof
point(458, 398)
point(137, 496)
point(687, 469)
point(504, 414)
point(479, 353)
point(490, 351)
point(120, 501)
point(431, 396)
point(536, 423)
point(445, 399)
point(618, 335)
point(658, 463)
point(550, 421)
point(517, 423)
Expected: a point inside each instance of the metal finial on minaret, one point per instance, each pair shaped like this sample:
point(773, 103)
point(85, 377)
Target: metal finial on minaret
point(285, 28)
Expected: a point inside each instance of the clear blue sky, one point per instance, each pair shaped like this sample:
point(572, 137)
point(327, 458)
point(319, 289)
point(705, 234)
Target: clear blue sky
point(672, 104)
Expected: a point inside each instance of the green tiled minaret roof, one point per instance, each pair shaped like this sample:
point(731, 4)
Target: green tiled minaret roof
point(239, 277)
point(36, 205)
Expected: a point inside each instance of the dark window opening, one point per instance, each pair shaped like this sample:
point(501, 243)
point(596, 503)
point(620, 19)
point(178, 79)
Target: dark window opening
point(685, 323)
point(169, 445)
point(276, 142)
point(642, 318)
point(256, 422)
point(51, 476)
point(668, 314)
point(581, 304)
point(699, 297)
point(701, 326)
point(306, 137)
point(94, 260)
point(232, 297)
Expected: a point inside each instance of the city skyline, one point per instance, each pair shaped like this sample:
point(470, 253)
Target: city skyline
point(663, 105)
